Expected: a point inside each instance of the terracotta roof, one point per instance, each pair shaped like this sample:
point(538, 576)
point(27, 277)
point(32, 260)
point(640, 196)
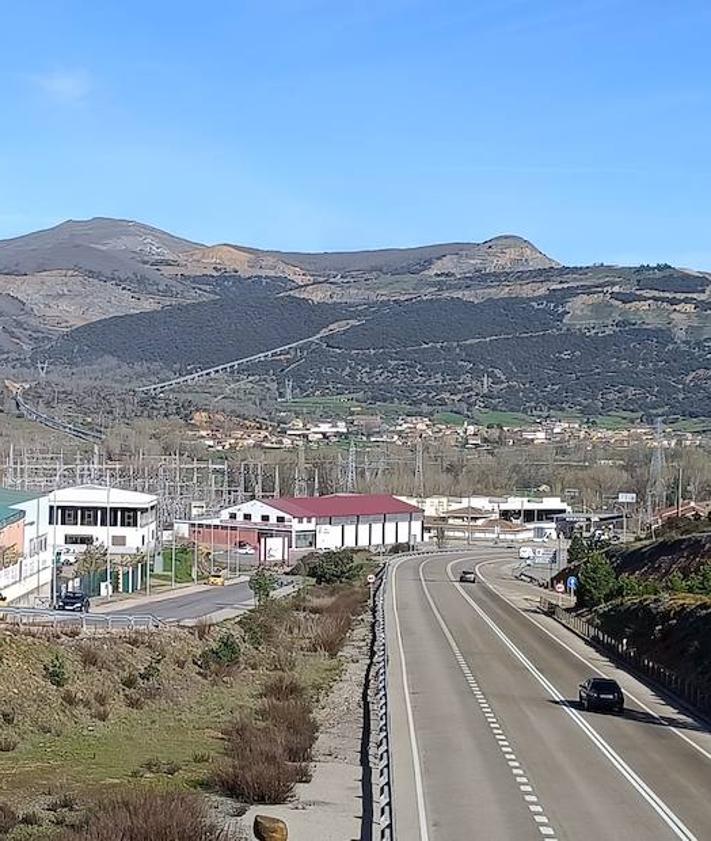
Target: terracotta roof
point(342, 505)
point(466, 512)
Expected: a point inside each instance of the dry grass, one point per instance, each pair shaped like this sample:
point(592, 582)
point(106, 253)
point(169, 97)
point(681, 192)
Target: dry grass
point(283, 687)
point(8, 819)
point(8, 743)
point(294, 725)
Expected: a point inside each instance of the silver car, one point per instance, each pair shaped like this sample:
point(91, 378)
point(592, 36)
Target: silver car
point(467, 576)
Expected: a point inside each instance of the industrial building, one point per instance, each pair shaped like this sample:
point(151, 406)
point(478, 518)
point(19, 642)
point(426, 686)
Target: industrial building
point(276, 528)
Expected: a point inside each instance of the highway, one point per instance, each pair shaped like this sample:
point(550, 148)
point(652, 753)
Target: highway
point(487, 738)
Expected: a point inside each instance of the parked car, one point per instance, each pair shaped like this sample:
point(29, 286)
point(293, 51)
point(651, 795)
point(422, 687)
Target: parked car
point(467, 576)
point(217, 579)
point(74, 600)
point(601, 693)
point(246, 549)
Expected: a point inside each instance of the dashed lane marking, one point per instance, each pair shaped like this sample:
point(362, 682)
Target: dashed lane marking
point(485, 707)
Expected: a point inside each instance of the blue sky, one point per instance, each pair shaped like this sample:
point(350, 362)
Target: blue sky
point(334, 124)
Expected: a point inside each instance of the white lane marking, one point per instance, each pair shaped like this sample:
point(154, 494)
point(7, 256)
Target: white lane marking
point(414, 749)
point(508, 754)
point(587, 662)
point(659, 806)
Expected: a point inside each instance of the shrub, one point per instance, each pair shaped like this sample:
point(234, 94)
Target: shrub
point(8, 715)
point(283, 687)
point(225, 652)
point(293, 724)
point(151, 671)
point(70, 697)
point(202, 628)
point(66, 800)
point(200, 757)
point(8, 744)
point(8, 819)
point(101, 712)
point(262, 583)
point(56, 671)
point(129, 680)
point(265, 777)
point(30, 818)
point(145, 815)
point(330, 633)
point(92, 657)
point(335, 567)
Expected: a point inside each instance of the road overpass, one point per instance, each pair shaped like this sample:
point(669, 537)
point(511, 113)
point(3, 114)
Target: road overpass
point(487, 740)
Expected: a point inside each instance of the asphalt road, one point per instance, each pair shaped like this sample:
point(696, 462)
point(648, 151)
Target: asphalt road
point(195, 604)
point(488, 741)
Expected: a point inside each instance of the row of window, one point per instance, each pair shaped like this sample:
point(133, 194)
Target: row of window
point(264, 518)
point(96, 517)
point(88, 539)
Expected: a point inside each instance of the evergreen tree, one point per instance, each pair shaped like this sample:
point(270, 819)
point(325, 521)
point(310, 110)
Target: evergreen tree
point(597, 581)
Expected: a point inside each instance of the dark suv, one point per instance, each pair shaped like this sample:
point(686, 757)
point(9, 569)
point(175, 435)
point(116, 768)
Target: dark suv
point(73, 600)
point(601, 693)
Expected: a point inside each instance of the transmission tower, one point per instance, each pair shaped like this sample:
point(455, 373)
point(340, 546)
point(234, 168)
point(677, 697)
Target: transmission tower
point(657, 470)
point(419, 469)
point(351, 472)
point(288, 389)
point(277, 482)
point(316, 483)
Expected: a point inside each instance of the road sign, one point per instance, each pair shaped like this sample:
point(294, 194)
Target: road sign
point(371, 579)
point(626, 497)
point(571, 582)
point(559, 588)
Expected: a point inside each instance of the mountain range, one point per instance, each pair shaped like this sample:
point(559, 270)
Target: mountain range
point(496, 323)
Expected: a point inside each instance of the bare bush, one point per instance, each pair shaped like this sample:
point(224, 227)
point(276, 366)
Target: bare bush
point(147, 815)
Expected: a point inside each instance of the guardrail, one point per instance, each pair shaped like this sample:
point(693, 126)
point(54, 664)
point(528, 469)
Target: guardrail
point(687, 690)
point(80, 432)
point(84, 621)
point(384, 753)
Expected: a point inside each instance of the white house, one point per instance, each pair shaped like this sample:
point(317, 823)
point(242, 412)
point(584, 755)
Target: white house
point(125, 521)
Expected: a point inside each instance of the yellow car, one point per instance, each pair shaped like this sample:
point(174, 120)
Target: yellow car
point(217, 579)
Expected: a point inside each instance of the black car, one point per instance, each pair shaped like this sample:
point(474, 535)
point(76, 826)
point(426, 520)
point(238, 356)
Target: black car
point(467, 576)
point(73, 600)
point(601, 693)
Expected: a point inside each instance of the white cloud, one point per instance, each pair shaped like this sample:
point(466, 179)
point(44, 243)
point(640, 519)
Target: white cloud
point(64, 86)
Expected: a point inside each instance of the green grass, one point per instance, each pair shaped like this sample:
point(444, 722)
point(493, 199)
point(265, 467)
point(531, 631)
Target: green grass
point(486, 417)
point(451, 418)
point(617, 420)
point(694, 425)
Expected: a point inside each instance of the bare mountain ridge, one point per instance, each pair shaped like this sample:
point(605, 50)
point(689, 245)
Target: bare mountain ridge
point(118, 247)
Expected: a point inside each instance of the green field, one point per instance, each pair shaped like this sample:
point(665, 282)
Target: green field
point(486, 417)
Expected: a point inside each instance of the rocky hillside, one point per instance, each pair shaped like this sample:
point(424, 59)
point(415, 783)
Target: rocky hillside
point(490, 325)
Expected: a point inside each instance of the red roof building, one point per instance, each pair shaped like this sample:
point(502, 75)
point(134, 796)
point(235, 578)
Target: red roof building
point(279, 527)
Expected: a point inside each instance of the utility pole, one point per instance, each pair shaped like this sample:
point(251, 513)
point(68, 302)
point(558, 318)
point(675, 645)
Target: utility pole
point(300, 488)
point(678, 495)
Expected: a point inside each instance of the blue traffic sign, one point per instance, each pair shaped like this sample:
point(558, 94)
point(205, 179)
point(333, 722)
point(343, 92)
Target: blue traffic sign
point(571, 582)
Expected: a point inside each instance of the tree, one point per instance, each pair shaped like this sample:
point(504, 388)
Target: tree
point(578, 550)
point(597, 581)
point(335, 567)
point(262, 583)
point(92, 559)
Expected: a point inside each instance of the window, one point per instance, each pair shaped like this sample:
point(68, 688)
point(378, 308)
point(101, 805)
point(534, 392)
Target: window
point(68, 516)
point(113, 516)
point(280, 519)
point(265, 518)
point(130, 518)
point(233, 515)
point(78, 539)
point(247, 517)
point(89, 517)
point(118, 539)
point(38, 544)
point(51, 515)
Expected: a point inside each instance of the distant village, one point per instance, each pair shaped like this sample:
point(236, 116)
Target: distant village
point(218, 432)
